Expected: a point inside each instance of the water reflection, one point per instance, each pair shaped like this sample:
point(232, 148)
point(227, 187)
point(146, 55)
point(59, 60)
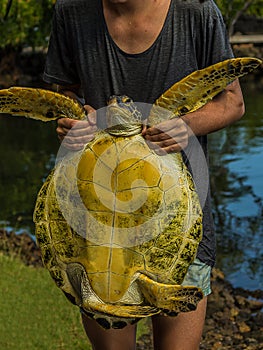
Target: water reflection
point(28, 149)
point(237, 172)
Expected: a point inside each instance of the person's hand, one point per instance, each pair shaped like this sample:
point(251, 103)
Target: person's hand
point(81, 132)
point(168, 136)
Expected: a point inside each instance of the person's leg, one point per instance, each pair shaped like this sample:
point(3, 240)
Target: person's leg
point(182, 332)
point(112, 339)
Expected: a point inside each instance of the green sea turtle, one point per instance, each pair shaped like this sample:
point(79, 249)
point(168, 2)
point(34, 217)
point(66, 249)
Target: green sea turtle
point(118, 225)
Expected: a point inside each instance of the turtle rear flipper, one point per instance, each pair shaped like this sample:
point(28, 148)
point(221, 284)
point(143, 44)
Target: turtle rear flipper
point(170, 298)
point(89, 301)
point(128, 311)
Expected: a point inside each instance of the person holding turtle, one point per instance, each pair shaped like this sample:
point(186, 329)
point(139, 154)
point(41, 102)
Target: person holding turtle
point(100, 48)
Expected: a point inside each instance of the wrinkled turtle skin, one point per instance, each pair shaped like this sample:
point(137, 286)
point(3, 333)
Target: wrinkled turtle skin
point(118, 225)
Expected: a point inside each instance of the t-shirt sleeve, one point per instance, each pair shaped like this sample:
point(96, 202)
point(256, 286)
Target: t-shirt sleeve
point(215, 45)
point(60, 67)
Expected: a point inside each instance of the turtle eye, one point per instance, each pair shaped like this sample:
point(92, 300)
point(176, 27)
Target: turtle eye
point(126, 99)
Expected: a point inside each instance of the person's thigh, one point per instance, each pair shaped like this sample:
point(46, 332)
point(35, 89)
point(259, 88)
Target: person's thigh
point(112, 339)
point(182, 332)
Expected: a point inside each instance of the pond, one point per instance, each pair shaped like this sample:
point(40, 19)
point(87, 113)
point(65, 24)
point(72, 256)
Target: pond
point(236, 176)
point(28, 150)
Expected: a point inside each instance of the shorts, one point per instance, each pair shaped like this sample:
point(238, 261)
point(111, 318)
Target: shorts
point(199, 275)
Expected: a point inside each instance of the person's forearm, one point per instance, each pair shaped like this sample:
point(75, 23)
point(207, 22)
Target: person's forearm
point(223, 110)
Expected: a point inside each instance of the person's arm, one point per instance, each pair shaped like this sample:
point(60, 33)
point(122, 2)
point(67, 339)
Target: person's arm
point(72, 91)
point(81, 131)
point(223, 110)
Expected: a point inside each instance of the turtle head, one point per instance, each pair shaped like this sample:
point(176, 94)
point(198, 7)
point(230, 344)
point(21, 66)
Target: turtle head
point(123, 116)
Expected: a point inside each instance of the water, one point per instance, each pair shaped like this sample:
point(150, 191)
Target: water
point(28, 150)
point(237, 174)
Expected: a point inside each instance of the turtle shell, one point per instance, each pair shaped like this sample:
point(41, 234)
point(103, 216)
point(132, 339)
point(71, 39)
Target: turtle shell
point(117, 210)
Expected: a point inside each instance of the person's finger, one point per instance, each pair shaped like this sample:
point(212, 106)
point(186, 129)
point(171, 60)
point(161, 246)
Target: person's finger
point(166, 127)
point(157, 137)
point(89, 109)
point(74, 146)
point(167, 146)
point(76, 132)
point(164, 140)
point(91, 114)
point(78, 140)
point(66, 123)
point(82, 132)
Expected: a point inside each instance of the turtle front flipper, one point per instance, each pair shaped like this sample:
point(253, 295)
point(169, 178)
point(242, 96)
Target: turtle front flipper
point(39, 104)
point(169, 298)
point(199, 87)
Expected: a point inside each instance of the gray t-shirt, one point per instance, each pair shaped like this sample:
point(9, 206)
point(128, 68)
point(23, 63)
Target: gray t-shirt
point(81, 51)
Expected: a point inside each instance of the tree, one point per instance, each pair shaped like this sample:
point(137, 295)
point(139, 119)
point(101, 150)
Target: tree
point(233, 9)
point(25, 22)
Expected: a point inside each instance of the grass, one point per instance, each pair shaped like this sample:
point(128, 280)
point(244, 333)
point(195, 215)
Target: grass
point(34, 313)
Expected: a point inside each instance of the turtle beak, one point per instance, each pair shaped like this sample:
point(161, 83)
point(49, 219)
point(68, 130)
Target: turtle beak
point(113, 99)
point(119, 99)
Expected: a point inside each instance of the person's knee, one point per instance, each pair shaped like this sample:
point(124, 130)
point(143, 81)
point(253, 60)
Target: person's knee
point(181, 332)
point(111, 339)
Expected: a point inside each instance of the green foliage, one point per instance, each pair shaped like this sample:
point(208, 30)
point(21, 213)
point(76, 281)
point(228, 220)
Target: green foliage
point(233, 9)
point(28, 22)
point(25, 22)
point(230, 8)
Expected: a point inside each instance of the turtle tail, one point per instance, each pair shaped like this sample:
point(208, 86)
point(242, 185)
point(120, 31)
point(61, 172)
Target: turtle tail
point(39, 104)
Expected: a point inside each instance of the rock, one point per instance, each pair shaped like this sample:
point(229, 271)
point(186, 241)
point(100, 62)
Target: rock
point(21, 245)
point(234, 315)
point(243, 327)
